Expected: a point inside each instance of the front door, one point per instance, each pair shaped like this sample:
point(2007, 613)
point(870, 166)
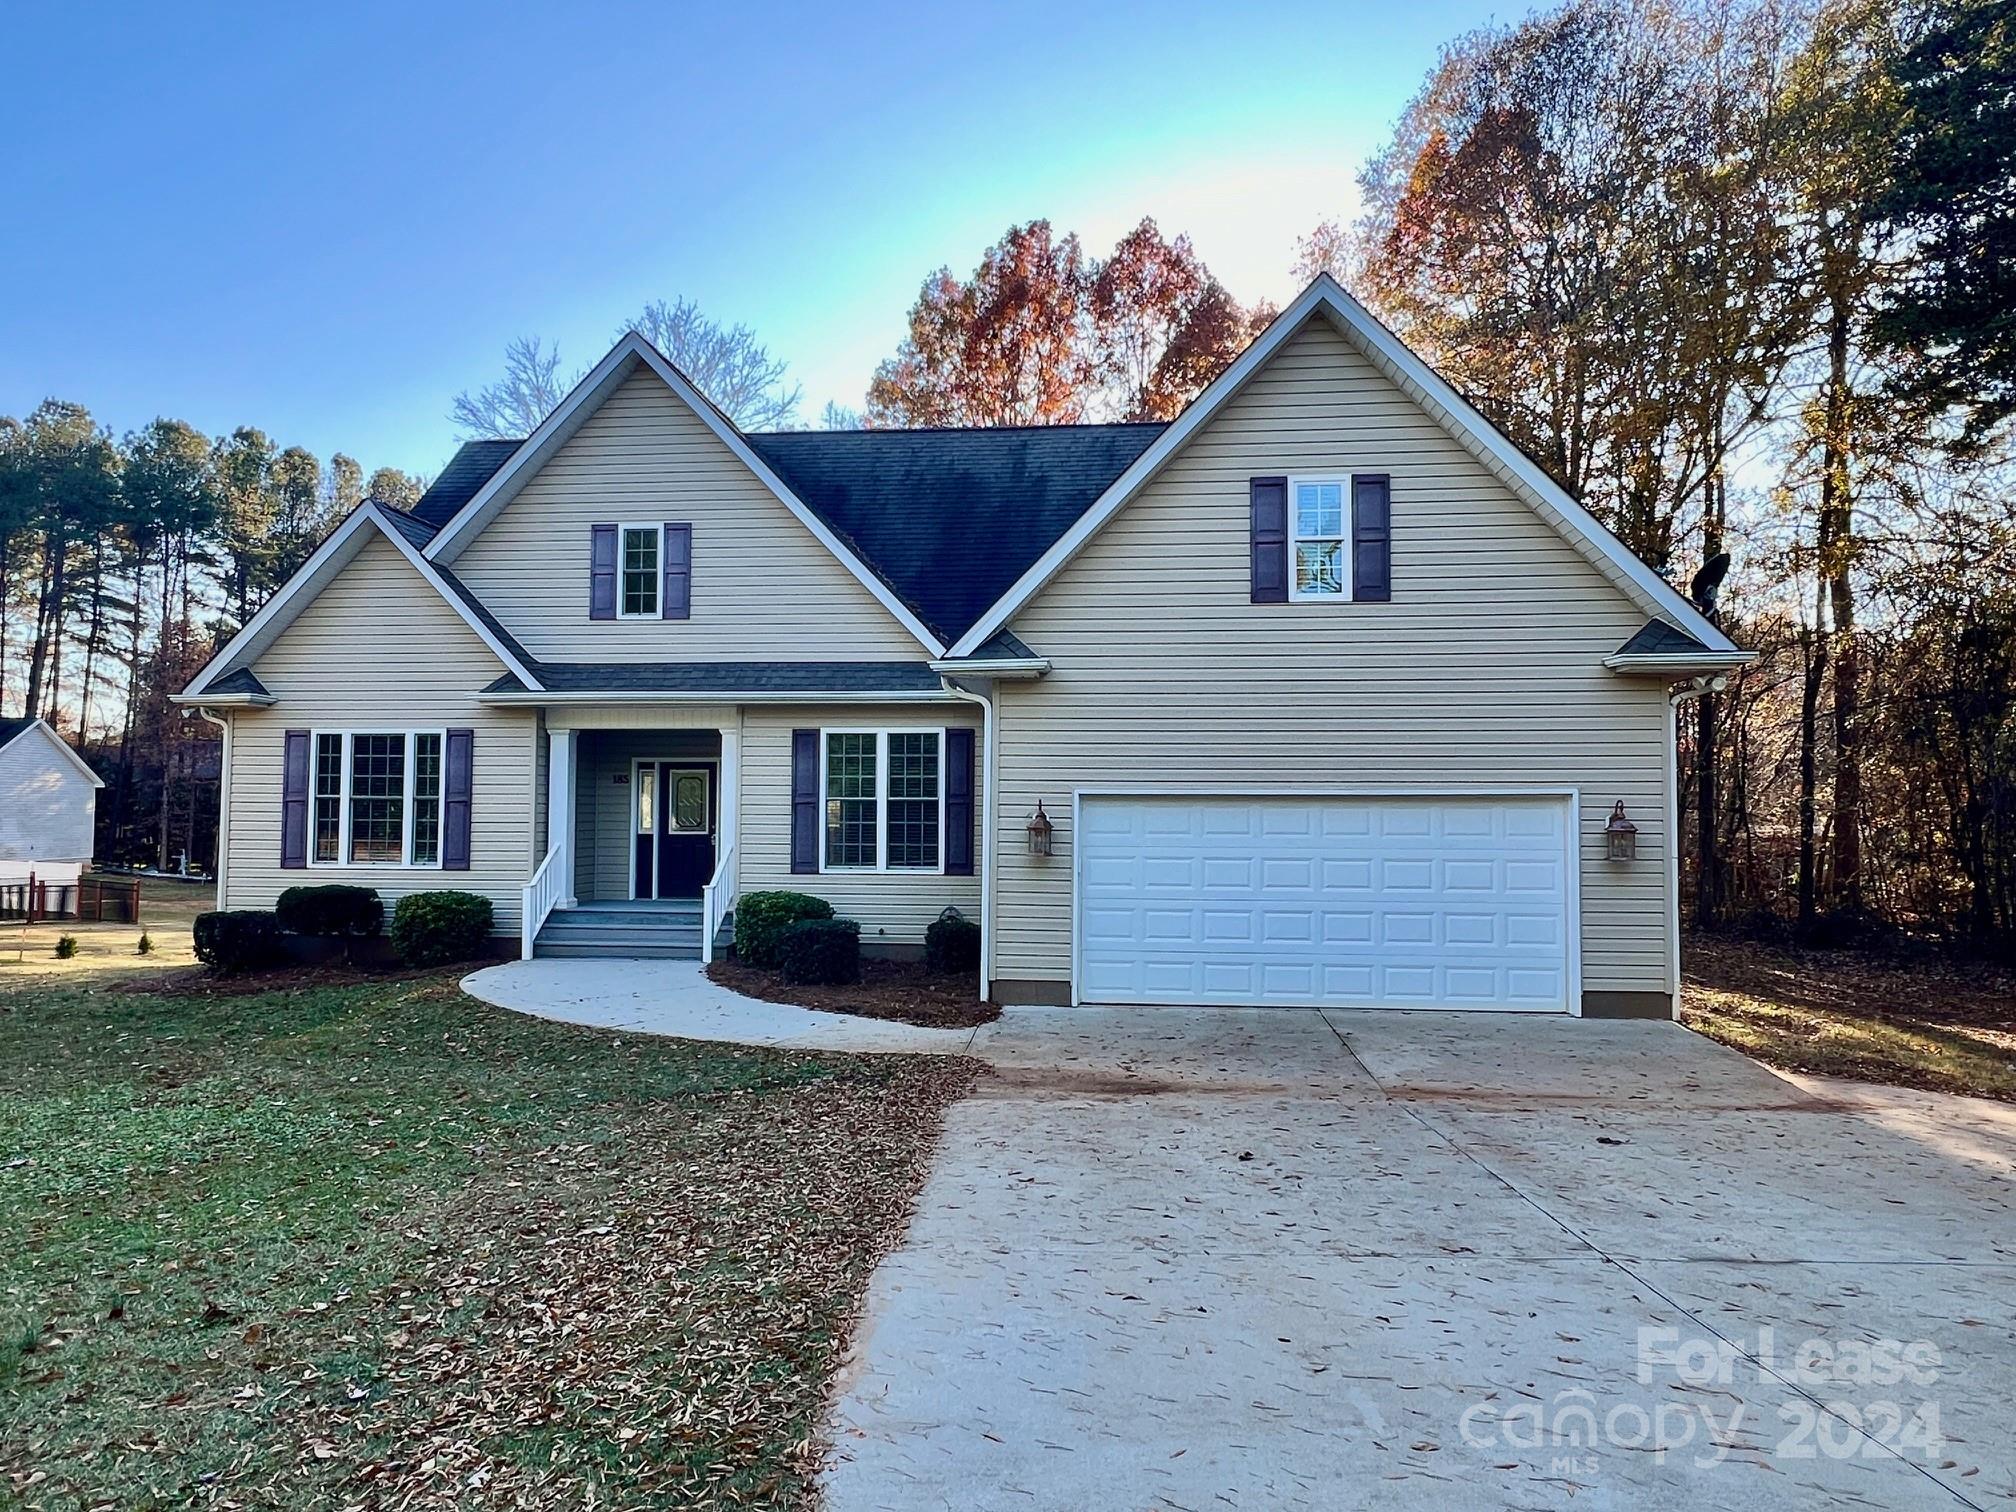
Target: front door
point(674, 830)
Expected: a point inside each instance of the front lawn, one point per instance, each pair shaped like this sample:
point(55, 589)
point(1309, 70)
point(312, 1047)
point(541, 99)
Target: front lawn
point(382, 1245)
point(1949, 1028)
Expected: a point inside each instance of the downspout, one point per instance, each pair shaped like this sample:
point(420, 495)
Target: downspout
point(223, 802)
point(987, 768)
point(1684, 693)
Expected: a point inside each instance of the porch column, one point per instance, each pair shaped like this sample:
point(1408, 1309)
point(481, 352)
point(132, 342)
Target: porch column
point(727, 801)
point(560, 746)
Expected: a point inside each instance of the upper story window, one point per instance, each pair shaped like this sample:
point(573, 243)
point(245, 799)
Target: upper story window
point(640, 547)
point(1319, 519)
point(885, 800)
point(377, 798)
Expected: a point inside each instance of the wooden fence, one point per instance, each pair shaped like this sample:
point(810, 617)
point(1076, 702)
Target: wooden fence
point(93, 900)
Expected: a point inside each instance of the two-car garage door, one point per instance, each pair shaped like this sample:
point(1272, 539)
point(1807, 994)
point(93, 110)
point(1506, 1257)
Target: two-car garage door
point(1376, 902)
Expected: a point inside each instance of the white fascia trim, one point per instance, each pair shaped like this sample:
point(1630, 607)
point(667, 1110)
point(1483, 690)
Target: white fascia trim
point(718, 697)
point(1652, 592)
point(1668, 663)
point(225, 700)
point(315, 574)
point(587, 397)
point(48, 732)
point(1006, 667)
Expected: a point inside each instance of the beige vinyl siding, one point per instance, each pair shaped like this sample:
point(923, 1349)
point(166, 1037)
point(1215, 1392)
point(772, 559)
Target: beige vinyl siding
point(379, 650)
point(893, 908)
point(1484, 671)
point(604, 844)
point(764, 587)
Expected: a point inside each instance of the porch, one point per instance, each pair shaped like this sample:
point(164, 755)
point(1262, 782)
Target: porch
point(640, 858)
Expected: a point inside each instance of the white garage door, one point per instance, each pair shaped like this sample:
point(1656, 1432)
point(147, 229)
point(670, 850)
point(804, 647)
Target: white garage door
point(1335, 902)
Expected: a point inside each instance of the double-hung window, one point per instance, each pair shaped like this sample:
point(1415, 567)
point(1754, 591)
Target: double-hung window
point(885, 800)
point(637, 586)
point(1319, 523)
point(377, 798)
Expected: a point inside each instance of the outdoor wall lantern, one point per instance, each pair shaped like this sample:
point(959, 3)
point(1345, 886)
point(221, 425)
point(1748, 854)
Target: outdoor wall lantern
point(1622, 835)
point(1040, 830)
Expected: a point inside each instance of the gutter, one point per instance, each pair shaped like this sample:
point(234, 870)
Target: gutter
point(959, 666)
point(720, 696)
point(201, 701)
point(1680, 663)
point(989, 768)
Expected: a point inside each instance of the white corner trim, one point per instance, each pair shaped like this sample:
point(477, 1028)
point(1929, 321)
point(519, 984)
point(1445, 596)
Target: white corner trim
point(42, 727)
point(1449, 409)
point(587, 397)
point(315, 574)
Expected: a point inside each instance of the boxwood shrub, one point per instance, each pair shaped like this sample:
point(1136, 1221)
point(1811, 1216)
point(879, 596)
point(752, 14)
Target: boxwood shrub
point(827, 951)
point(952, 944)
point(434, 928)
point(760, 917)
point(335, 908)
point(239, 939)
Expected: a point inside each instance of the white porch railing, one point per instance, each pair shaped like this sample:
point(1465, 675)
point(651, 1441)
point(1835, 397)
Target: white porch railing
point(715, 901)
point(541, 893)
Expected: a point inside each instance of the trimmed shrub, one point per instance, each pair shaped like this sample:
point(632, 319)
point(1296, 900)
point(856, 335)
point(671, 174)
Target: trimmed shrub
point(434, 928)
point(826, 951)
point(333, 909)
point(66, 947)
point(238, 939)
point(952, 944)
point(760, 917)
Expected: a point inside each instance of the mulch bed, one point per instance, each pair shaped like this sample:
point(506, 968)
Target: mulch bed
point(902, 991)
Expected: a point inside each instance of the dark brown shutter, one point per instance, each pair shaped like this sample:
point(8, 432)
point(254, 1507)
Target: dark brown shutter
point(601, 572)
point(294, 799)
point(959, 803)
point(1269, 506)
point(1372, 537)
point(457, 790)
point(804, 801)
point(677, 600)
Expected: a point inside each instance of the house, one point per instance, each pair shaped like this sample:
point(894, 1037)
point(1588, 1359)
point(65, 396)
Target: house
point(1325, 693)
point(48, 808)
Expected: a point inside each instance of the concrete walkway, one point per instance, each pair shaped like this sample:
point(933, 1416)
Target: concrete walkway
point(675, 998)
point(1206, 1259)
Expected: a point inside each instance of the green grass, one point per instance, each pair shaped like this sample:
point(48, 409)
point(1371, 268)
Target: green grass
point(350, 1242)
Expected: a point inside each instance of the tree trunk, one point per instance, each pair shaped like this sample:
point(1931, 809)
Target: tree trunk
point(1837, 532)
point(1813, 649)
point(1709, 878)
point(51, 591)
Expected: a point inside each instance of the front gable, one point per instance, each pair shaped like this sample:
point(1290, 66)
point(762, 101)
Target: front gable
point(635, 446)
point(1475, 571)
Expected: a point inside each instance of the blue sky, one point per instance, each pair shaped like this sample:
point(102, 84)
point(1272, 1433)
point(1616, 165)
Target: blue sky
point(325, 221)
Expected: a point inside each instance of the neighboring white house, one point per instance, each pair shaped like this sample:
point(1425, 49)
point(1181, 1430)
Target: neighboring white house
point(48, 805)
point(1326, 693)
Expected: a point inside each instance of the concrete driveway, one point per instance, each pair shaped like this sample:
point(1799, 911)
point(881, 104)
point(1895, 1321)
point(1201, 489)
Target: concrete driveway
point(1270, 1259)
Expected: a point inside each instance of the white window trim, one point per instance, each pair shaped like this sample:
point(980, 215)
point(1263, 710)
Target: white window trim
point(657, 533)
point(1350, 484)
point(882, 734)
point(406, 861)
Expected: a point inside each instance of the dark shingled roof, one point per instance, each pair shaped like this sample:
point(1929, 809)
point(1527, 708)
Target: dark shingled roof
point(467, 471)
point(237, 680)
point(949, 519)
point(9, 728)
point(1657, 638)
point(1002, 646)
point(727, 677)
point(420, 533)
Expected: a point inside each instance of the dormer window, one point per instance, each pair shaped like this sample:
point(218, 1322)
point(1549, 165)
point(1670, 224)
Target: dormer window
point(640, 572)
